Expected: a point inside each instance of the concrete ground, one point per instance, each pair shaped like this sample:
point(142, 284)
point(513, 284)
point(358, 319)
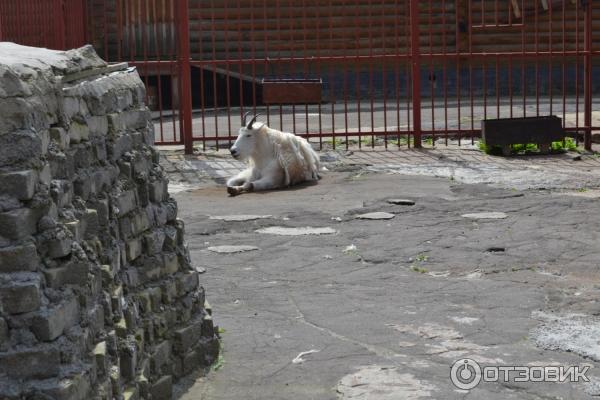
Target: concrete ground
point(381, 309)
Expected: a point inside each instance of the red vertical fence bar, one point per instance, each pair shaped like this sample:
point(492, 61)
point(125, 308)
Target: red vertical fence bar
point(587, 88)
point(416, 70)
point(185, 83)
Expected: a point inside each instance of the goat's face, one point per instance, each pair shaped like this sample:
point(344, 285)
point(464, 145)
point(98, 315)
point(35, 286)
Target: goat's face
point(245, 144)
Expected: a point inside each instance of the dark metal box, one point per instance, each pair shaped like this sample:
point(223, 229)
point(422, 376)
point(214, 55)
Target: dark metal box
point(507, 131)
point(292, 91)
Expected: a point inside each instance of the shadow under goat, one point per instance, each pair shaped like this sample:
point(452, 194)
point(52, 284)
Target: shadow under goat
point(275, 159)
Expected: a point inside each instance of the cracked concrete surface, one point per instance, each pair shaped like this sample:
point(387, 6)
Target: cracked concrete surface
point(412, 295)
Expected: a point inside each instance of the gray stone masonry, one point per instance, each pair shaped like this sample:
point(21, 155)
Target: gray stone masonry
point(98, 299)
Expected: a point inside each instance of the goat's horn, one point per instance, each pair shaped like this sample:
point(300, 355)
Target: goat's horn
point(252, 121)
point(244, 118)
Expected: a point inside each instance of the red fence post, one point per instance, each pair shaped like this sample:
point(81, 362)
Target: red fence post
point(415, 70)
point(60, 21)
point(185, 84)
point(587, 86)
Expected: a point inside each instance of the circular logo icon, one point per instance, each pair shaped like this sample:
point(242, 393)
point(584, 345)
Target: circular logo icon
point(465, 374)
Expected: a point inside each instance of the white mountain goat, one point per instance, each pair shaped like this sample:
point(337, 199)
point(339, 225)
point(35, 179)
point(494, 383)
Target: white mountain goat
point(275, 159)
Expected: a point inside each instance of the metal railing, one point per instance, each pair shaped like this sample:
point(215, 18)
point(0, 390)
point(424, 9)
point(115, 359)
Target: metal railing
point(391, 72)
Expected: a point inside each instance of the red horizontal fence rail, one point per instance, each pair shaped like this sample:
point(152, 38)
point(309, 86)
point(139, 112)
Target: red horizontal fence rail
point(55, 24)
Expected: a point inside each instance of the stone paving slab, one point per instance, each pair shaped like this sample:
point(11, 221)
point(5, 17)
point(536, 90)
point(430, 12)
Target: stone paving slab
point(382, 309)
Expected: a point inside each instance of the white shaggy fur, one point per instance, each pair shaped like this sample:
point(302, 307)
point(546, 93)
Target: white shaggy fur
point(275, 159)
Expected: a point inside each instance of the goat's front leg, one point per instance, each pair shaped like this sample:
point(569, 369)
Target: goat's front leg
point(259, 184)
point(235, 185)
point(240, 178)
point(263, 184)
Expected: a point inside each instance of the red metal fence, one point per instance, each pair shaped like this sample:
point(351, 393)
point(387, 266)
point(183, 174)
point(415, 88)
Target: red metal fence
point(389, 72)
point(55, 24)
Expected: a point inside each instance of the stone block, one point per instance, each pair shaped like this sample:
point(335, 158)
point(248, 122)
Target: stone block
point(143, 385)
point(73, 272)
point(4, 335)
point(75, 387)
point(19, 258)
point(30, 363)
point(169, 291)
point(208, 329)
point(101, 207)
point(180, 226)
point(99, 149)
point(62, 165)
point(185, 338)
point(61, 192)
point(128, 120)
point(131, 393)
point(118, 146)
point(133, 249)
point(170, 264)
point(117, 300)
point(60, 137)
point(19, 223)
point(59, 246)
point(20, 296)
point(170, 243)
point(144, 302)
point(149, 270)
point(125, 202)
point(125, 169)
point(91, 223)
point(153, 241)
point(142, 191)
point(115, 380)
point(191, 361)
point(20, 146)
point(187, 282)
point(45, 175)
point(162, 389)
point(140, 222)
point(76, 229)
point(130, 278)
point(141, 165)
point(78, 132)
point(82, 155)
point(52, 322)
point(121, 328)
point(97, 124)
point(159, 190)
point(155, 294)
point(95, 317)
point(128, 359)
point(160, 357)
point(101, 358)
point(148, 134)
point(19, 184)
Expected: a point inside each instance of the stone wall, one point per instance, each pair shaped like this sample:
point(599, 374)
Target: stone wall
point(98, 297)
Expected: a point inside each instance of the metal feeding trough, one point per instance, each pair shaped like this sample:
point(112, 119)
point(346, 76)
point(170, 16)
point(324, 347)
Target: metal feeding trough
point(505, 132)
point(292, 91)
